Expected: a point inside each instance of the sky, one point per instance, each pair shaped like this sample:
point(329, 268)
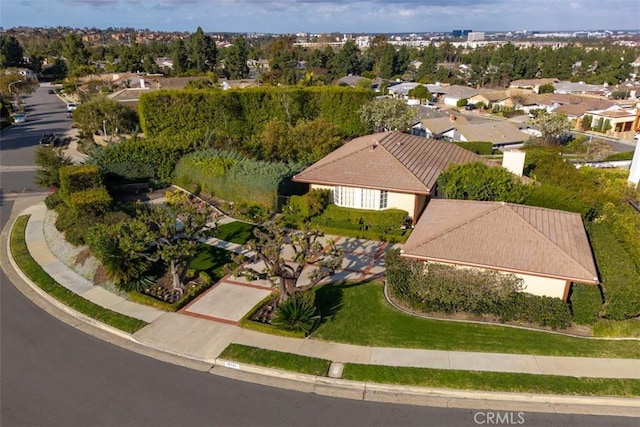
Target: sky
point(325, 16)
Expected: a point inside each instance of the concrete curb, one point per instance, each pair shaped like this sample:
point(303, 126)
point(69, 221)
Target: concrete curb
point(423, 396)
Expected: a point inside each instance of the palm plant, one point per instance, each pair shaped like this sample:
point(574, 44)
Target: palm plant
point(297, 314)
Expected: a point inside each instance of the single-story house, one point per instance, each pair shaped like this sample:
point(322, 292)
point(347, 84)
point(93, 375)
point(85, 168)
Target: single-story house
point(438, 128)
point(493, 97)
point(455, 93)
point(385, 170)
point(533, 84)
point(500, 133)
point(548, 249)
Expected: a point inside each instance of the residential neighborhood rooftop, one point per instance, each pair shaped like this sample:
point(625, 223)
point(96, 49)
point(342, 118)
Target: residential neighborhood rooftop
point(388, 161)
point(504, 236)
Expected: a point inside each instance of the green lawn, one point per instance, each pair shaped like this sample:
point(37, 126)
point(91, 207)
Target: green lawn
point(33, 270)
point(441, 378)
point(276, 359)
point(212, 260)
point(358, 314)
point(237, 232)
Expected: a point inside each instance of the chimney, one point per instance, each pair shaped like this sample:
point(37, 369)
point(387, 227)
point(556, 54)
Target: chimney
point(513, 161)
point(452, 118)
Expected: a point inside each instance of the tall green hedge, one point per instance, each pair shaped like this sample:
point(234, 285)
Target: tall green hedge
point(228, 176)
point(235, 116)
point(76, 178)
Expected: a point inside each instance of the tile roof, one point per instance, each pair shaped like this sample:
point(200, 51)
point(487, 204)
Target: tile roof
point(506, 237)
point(392, 161)
point(459, 92)
point(440, 124)
point(497, 132)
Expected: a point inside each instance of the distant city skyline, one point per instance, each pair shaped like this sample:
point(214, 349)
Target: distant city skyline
point(326, 16)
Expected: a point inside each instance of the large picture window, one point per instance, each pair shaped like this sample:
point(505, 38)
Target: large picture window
point(360, 198)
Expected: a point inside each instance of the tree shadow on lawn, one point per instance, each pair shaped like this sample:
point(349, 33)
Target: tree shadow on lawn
point(212, 260)
point(329, 299)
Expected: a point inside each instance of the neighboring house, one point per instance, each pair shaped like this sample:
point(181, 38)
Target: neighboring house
point(437, 128)
point(493, 97)
point(548, 249)
point(453, 94)
point(238, 84)
point(533, 84)
point(621, 121)
point(580, 87)
point(385, 170)
point(501, 134)
point(349, 80)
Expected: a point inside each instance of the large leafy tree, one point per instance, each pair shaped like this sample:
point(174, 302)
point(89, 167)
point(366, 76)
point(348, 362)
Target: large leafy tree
point(308, 252)
point(347, 61)
point(477, 181)
point(10, 52)
point(388, 114)
point(552, 126)
point(75, 53)
point(235, 61)
point(104, 114)
point(179, 56)
point(202, 51)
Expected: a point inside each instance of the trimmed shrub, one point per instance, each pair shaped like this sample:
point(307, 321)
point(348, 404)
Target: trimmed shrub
point(438, 288)
point(52, 200)
point(309, 205)
point(77, 178)
point(66, 217)
point(94, 201)
point(382, 222)
point(461, 102)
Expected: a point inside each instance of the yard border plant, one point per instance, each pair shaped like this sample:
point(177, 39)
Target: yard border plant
point(440, 378)
point(37, 275)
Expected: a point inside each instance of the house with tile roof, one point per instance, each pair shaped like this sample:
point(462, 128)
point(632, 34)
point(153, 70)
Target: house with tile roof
point(501, 134)
point(453, 94)
point(385, 170)
point(548, 249)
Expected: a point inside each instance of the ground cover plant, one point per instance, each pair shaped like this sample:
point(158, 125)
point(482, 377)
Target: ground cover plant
point(358, 313)
point(36, 274)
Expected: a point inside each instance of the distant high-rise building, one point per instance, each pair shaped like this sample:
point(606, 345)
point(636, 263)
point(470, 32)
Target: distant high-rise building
point(460, 33)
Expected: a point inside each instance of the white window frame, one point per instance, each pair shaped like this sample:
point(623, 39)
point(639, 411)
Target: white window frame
point(360, 198)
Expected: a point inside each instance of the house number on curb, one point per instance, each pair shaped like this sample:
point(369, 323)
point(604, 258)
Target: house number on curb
point(231, 365)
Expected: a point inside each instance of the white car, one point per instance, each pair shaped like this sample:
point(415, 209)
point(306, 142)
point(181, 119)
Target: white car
point(19, 118)
point(71, 106)
point(431, 105)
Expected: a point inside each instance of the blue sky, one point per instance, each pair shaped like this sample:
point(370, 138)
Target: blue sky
point(318, 16)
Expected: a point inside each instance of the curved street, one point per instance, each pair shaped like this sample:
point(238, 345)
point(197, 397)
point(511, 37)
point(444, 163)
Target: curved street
point(57, 372)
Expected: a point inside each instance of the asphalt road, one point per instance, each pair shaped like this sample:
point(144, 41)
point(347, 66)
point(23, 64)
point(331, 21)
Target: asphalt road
point(53, 374)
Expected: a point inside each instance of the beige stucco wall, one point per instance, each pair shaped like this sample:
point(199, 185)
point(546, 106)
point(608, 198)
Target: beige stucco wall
point(543, 286)
point(401, 201)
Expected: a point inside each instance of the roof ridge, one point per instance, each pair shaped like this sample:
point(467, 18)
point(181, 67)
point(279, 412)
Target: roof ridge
point(365, 147)
point(511, 206)
point(402, 164)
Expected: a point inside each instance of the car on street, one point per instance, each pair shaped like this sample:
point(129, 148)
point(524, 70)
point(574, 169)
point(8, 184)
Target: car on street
point(470, 107)
point(19, 118)
point(49, 140)
point(51, 92)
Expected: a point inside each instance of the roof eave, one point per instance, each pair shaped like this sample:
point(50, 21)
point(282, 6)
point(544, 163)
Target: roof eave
point(593, 281)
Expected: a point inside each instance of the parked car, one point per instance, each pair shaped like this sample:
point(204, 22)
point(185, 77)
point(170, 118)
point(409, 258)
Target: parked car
point(431, 105)
point(49, 139)
point(71, 106)
point(19, 118)
point(51, 92)
point(470, 107)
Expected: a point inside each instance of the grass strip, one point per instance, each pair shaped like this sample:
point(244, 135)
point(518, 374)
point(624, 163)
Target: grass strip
point(440, 378)
point(357, 313)
point(276, 359)
point(492, 381)
point(33, 271)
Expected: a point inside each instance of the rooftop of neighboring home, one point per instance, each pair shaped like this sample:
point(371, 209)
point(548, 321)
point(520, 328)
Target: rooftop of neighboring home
point(530, 83)
point(350, 80)
point(593, 103)
point(497, 132)
point(392, 161)
point(460, 92)
point(442, 124)
point(578, 87)
point(504, 236)
point(494, 95)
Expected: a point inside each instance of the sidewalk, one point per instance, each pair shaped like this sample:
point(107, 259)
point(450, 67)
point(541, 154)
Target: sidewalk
point(199, 337)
